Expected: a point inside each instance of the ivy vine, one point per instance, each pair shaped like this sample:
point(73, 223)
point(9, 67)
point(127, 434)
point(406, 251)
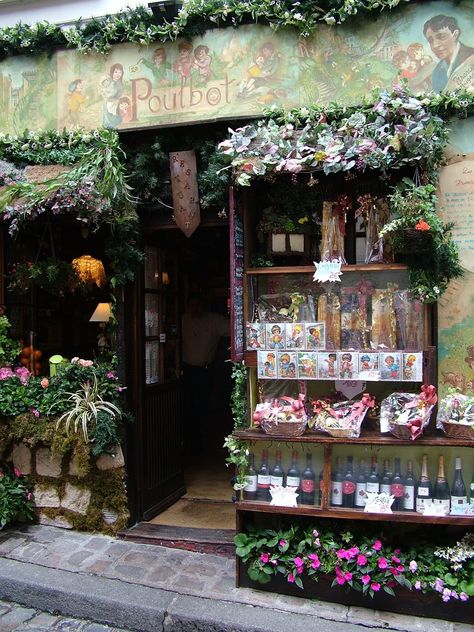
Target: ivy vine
point(238, 398)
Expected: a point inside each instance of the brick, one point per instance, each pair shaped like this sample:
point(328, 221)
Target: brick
point(21, 457)
point(46, 464)
point(111, 461)
point(46, 496)
point(59, 521)
point(76, 499)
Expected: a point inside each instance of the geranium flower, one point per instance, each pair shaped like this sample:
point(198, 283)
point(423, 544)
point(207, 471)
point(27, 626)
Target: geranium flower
point(422, 225)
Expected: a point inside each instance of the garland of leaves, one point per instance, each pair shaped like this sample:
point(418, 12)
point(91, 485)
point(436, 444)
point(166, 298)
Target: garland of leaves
point(139, 26)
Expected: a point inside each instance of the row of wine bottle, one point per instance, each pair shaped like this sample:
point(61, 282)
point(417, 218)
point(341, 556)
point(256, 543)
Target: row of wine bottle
point(349, 489)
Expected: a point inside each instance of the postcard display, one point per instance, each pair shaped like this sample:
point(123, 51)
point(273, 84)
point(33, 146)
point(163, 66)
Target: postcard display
point(317, 352)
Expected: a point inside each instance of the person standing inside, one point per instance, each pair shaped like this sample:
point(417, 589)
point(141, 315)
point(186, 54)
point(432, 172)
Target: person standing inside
point(201, 333)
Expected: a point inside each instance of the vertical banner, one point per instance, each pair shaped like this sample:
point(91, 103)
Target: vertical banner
point(236, 280)
point(187, 214)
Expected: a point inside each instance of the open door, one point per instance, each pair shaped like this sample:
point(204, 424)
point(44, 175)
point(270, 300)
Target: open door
point(157, 446)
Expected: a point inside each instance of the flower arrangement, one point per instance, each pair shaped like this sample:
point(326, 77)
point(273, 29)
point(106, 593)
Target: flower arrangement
point(359, 562)
point(16, 500)
point(282, 415)
point(406, 414)
point(456, 415)
point(342, 418)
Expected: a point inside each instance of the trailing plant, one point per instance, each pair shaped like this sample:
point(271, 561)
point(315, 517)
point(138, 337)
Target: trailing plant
point(9, 348)
point(51, 275)
point(139, 26)
point(9, 173)
point(238, 397)
point(425, 241)
point(238, 458)
point(16, 500)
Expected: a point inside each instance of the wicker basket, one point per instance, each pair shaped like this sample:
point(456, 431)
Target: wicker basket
point(458, 431)
point(284, 428)
point(401, 431)
point(340, 433)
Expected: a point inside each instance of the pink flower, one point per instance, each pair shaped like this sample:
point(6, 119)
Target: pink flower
point(352, 552)
point(400, 568)
point(298, 562)
point(17, 472)
point(463, 596)
point(446, 596)
point(413, 566)
point(347, 576)
point(375, 586)
point(119, 389)
point(418, 585)
point(315, 563)
point(291, 578)
point(342, 554)
point(29, 495)
point(439, 584)
point(361, 560)
point(317, 542)
point(377, 545)
point(35, 412)
point(365, 579)
point(315, 533)
point(394, 572)
point(111, 375)
point(44, 382)
point(382, 563)
point(85, 362)
point(264, 557)
point(282, 543)
point(340, 580)
point(395, 559)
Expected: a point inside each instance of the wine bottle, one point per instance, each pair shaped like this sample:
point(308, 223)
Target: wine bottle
point(348, 485)
point(250, 489)
point(397, 488)
point(308, 478)
point(263, 479)
point(441, 494)
point(373, 482)
point(361, 486)
point(277, 474)
point(293, 477)
point(458, 489)
point(336, 484)
point(321, 488)
point(386, 480)
point(409, 495)
point(424, 490)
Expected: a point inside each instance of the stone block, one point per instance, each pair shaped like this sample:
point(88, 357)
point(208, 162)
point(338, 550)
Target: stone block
point(59, 521)
point(46, 465)
point(76, 499)
point(75, 469)
point(46, 496)
point(21, 457)
point(111, 461)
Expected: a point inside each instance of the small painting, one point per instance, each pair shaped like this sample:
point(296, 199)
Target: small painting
point(315, 336)
point(391, 366)
point(369, 366)
point(287, 365)
point(295, 336)
point(307, 364)
point(275, 335)
point(266, 364)
point(255, 336)
point(412, 367)
point(347, 365)
point(327, 365)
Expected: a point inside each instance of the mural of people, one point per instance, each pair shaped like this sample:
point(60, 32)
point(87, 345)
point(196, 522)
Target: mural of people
point(76, 100)
point(202, 62)
point(124, 111)
point(442, 33)
point(184, 61)
point(112, 89)
point(159, 67)
point(406, 66)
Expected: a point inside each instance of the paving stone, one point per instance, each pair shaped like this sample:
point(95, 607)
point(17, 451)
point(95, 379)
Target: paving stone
point(96, 627)
point(29, 551)
point(15, 617)
point(117, 549)
point(462, 627)
point(98, 567)
point(128, 572)
point(79, 557)
point(161, 574)
point(44, 619)
point(10, 545)
point(414, 624)
point(68, 625)
point(98, 543)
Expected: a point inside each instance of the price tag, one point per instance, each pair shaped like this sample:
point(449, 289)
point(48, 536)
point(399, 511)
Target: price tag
point(328, 271)
point(378, 503)
point(350, 388)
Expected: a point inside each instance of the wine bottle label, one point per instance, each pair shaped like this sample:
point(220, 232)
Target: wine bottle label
point(397, 490)
point(276, 480)
point(348, 487)
point(360, 496)
point(292, 481)
point(424, 491)
point(251, 484)
point(442, 502)
point(307, 485)
point(385, 488)
point(458, 500)
point(372, 487)
point(263, 481)
point(409, 498)
point(421, 503)
point(336, 492)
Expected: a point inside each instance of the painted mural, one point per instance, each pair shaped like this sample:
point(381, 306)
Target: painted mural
point(236, 73)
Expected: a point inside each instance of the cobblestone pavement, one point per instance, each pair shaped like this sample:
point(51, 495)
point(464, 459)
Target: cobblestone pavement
point(184, 572)
point(16, 618)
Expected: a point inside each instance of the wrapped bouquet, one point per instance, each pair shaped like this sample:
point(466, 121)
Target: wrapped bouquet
point(405, 415)
point(341, 419)
point(456, 416)
point(282, 416)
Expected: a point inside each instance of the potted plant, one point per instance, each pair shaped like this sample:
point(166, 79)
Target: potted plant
point(422, 240)
point(16, 500)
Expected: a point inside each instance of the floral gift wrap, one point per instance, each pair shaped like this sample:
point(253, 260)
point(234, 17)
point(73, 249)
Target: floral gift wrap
point(405, 415)
point(341, 419)
point(282, 415)
point(456, 416)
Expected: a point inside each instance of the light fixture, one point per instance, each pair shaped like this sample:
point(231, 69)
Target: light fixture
point(165, 10)
point(101, 313)
point(89, 270)
point(165, 278)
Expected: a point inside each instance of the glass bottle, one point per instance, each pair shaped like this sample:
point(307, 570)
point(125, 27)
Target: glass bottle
point(250, 489)
point(442, 495)
point(277, 474)
point(263, 479)
point(336, 484)
point(373, 481)
point(424, 489)
point(386, 480)
point(397, 488)
point(293, 477)
point(409, 495)
point(308, 478)
point(348, 485)
point(458, 489)
point(361, 486)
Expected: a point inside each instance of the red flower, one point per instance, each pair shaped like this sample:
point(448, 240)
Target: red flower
point(422, 225)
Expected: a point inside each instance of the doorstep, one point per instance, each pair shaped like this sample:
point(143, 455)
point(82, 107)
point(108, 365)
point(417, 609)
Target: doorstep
point(214, 541)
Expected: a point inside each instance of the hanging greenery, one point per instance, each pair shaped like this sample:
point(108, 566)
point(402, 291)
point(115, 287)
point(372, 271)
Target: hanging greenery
point(139, 26)
point(51, 275)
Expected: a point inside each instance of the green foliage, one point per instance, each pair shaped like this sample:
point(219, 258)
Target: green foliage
point(51, 275)
point(9, 348)
point(15, 497)
point(139, 26)
point(238, 457)
point(16, 396)
point(238, 398)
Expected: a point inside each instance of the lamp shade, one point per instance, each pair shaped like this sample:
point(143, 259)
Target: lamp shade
point(101, 313)
point(89, 270)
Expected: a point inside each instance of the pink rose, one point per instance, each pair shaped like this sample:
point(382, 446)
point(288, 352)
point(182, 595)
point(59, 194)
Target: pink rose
point(361, 560)
point(382, 563)
point(44, 382)
point(365, 579)
point(377, 545)
point(264, 557)
point(347, 576)
point(340, 580)
point(375, 586)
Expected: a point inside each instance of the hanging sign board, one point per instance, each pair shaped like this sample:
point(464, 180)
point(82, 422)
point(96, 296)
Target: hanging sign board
point(187, 214)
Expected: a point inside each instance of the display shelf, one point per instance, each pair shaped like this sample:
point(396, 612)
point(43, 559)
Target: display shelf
point(358, 267)
point(351, 514)
point(367, 437)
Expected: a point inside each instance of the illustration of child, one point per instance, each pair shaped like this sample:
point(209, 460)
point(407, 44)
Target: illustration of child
point(124, 110)
point(416, 53)
point(184, 61)
point(254, 71)
point(331, 365)
point(306, 366)
point(269, 366)
point(159, 67)
point(253, 341)
point(407, 67)
point(276, 340)
point(284, 364)
point(202, 62)
point(295, 340)
point(391, 367)
point(408, 368)
point(314, 338)
point(365, 363)
point(291, 369)
point(76, 100)
point(347, 366)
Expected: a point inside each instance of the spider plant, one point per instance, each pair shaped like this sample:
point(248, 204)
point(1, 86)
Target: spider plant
point(85, 407)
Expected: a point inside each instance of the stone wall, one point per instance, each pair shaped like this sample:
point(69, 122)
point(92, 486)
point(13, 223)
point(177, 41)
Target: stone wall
point(72, 494)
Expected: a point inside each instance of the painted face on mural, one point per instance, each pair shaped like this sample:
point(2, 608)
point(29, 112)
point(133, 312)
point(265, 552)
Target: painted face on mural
point(442, 42)
point(117, 74)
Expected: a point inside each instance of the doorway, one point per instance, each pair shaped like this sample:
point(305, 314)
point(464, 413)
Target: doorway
point(174, 487)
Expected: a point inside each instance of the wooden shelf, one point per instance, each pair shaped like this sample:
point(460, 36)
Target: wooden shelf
point(367, 437)
point(351, 514)
point(358, 267)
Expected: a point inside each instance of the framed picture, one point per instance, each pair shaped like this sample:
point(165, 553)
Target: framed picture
point(275, 335)
point(347, 365)
point(391, 366)
point(327, 365)
point(412, 368)
point(369, 366)
point(266, 364)
point(315, 336)
point(295, 336)
point(255, 334)
point(307, 365)
point(287, 364)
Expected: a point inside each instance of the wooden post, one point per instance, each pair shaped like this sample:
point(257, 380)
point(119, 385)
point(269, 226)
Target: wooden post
point(187, 214)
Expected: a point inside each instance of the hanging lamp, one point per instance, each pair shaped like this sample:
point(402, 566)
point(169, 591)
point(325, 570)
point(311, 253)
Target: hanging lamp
point(89, 270)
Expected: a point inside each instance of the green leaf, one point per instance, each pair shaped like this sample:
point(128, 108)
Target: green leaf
point(298, 581)
point(389, 590)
